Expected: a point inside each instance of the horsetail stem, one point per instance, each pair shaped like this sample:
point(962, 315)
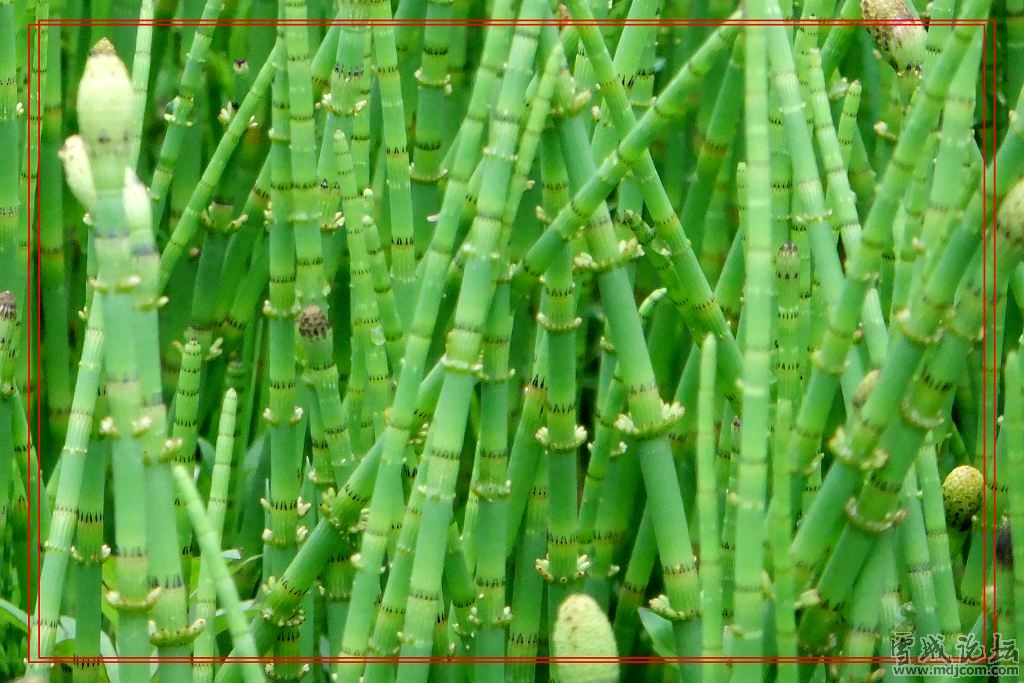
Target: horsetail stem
point(180, 110)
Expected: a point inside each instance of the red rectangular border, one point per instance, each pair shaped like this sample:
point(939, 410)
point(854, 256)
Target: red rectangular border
point(989, 146)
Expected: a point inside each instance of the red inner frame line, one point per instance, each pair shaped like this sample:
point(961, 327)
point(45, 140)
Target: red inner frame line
point(989, 104)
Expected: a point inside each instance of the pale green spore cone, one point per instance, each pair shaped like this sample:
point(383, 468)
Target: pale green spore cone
point(897, 31)
point(961, 496)
point(582, 631)
point(106, 99)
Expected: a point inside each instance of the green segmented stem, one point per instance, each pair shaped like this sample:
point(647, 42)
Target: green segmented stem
point(385, 504)
point(216, 510)
point(865, 613)
point(873, 511)
point(367, 332)
point(55, 352)
point(203, 315)
point(561, 437)
point(282, 502)
point(186, 427)
point(907, 235)
point(209, 542)
point(369, 253)
point(840, 196)
point(106, 133)
point(492, 486)
point(614, 515)
point(629, 151)
point(791, 328)
point(758, 293)
point(403, 246)
point(386, 636)
point(335, 460)
point(916, 557)
point(434, 83)
point(180, 110)
point(238, 320)
point(66, 513)
point(710, 565)
point(781, 523)
point(185, 229)
point(172, 635)
point(809, 202)
point(352, 62)
point(603, 449)
point(10, 187)
point(649, 419)
point(526, 450)
point(311, 286)
point(828, 360)
point(246, 243)
point(140, 76)
point(338, 512)
point(697, 306)
point(955, 140)
point(915, 332)
point(527, 585)
point(728, 463)
point(463, 343)
point(938, 539)
point(634, 582)
point(89, 553)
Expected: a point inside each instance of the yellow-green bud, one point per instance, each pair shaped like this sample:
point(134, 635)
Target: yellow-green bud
point(77, 171)
point(961, 496)
point(899, 34)
point(138, 210)
point(582, 630)
point(106, 99)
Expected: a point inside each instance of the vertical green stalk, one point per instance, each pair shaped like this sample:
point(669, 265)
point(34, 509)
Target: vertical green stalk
point(311, 286)
point(444, 443)
point(492, 489)
point(180, 109)
point(403, 247)
point(913, 329)
point(10, 140)
point(185, 228)
point(710, 563)
point(561, 437)
point(66, 510)
point(216, 508)
point(282, 503)
point(56, 354)
point(753, 467)
point(779, 532)
point(105, 108)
